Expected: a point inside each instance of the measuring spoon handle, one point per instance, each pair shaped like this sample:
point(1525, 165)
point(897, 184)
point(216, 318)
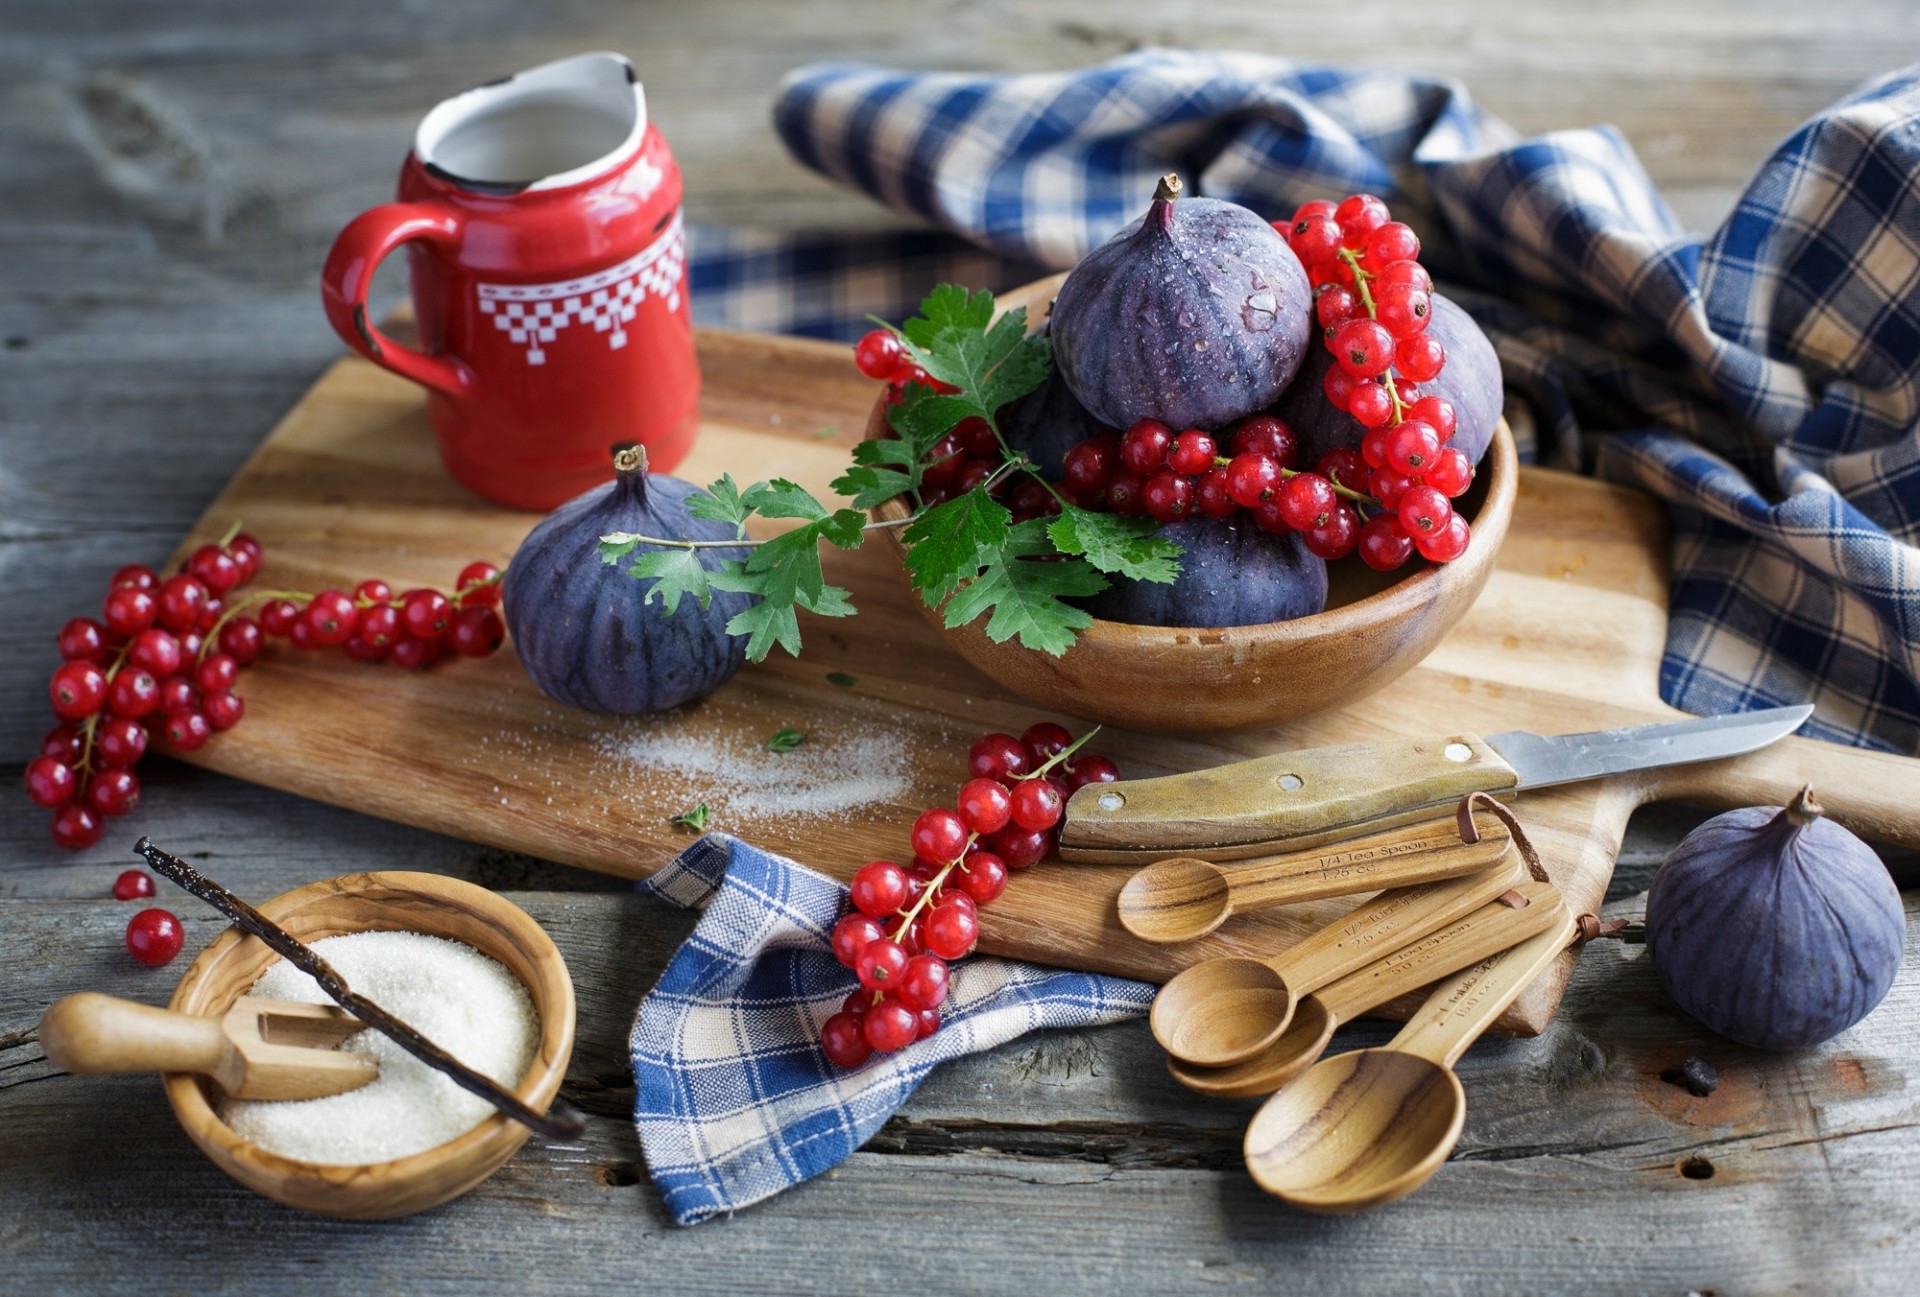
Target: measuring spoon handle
point(1526, 911)
point(1463, 1007)
point(1420, 853)
point(1387, 922)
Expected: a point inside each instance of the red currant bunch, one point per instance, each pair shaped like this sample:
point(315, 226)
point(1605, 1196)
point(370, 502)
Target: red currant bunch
point(883, 357)
point(907, 923)
point(164, 656)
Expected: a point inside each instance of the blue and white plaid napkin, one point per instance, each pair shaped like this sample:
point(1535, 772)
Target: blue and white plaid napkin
point(1763, 381)
point(734, 1100)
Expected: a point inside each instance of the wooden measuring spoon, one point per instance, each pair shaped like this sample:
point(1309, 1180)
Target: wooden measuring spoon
point(1224, 1010)
point(259, 1049)
point(1183, 899)
point(1487, 931)
point(1362, 1129)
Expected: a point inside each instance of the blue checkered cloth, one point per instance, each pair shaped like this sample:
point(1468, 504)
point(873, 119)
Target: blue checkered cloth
point(734, 1099)
point(1763, 381)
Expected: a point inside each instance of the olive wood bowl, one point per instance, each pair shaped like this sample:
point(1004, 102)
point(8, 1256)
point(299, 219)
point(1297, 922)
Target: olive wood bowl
point(1375, 627)
point(380, 902)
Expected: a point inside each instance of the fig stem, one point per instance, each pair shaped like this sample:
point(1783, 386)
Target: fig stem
point(1803, 810)
point(630, 459)
point(1168, 189)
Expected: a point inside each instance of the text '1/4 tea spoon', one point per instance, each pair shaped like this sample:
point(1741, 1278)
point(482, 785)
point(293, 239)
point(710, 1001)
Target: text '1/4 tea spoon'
point(1367, 1128)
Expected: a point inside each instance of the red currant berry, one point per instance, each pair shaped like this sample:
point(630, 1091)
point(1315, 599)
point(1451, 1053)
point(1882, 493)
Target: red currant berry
point(1031, 497)
point(984, 805)
point(187, 729)
point(944, 462)
point(210, 616)
point(1391, 242)
point(890, 1026)
point(1144, 448)
point(1252, 478)
point(853, 934)
point(1037, 804)
point(1126, 495)
point(1211, 496)
point(120, 741)
point(132, 885)
point(83, 640)
point(477, 632)
point(976, 438)
point(76, 826)
point(938, 836)
point(1018, 847)
point(246, 554)
point(177, 692)
point(982, 875)
point(1089, 465)
point(64, 743)
point(1449, 543)
point(1345, 466)
point(956, 895)
point(1387, 486)
point(1452, 472)
point(113, 791)
point(372, 592)
point(843, 1039)
point(1315, 238)
point(155, 650)
point(379, 627)
point(1404, 310)
point(1359, 216)
point(277, 618)
point(241, 639)
point(478, 584)
point(1330, 272)
point(224, 710)
point(858, 1001)
point(1045, 740)
point(214, 568)
point(915, 937)
point(1335, 304)
point(1438, 413)
point(425, 612)
point(1336, 536)
point(1268, 518)
point(929, 1022)
point(1192, 453)
point(1167, 496)
point(50, 781)
point(1420, 357)
point(1370, 405)
point(1423, 512)
point(1363, 348)
point(154, 937)
point(879, 888)
point(78, 690)
point(880, 964)
point(1306, 499)
point(182, 599)
point(951, 931)
point(1090, 768)
point(362, 649)
point(332, 617)
point(998, 756)
point(878, 354)
point(134, 576)
point(1404, 272)
point(908, 372)
point(216, 673)
point(300, 635)
point(1313, 207)
point(1262, 434)
point(1373, 448)
point(1411, 447)
point(1384, 544)
point(128, 612)
point(1338, 384)
point(415, 653)
point(924, 984)
point(134, 692)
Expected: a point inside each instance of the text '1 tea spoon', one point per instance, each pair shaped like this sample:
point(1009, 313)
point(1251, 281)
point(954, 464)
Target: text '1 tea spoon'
point(1367, 1128)
point(1183, 898)
point(1221, 1011)
point(1527, 910)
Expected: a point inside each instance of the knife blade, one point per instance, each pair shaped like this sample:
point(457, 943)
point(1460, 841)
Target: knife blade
point(1295, 800)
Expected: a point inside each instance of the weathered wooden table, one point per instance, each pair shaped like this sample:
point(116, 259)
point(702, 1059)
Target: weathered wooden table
point(171, 178)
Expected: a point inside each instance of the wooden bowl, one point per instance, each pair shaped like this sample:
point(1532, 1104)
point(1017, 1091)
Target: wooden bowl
point(380, 902)
point(1374, 628)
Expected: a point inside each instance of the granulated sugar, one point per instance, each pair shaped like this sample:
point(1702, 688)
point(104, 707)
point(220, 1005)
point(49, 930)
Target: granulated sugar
point(826, 776)
point(466, 1003)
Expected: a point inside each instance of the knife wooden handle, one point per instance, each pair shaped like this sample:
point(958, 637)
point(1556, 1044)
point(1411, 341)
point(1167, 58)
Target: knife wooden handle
point(1291, 801)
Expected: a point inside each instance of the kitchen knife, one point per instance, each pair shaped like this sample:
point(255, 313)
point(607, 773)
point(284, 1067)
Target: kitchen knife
point(1295, 800)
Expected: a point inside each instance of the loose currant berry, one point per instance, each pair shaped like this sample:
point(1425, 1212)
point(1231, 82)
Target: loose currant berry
point(133, 884)
point(187, 729)
point(1037, 804)
point(155, 650)
point(1405, 272)
point(154, 937)
point(113, 791)
point(1336, 536)
point(1420, 357)
point(1411, 447)
point(76, 826)
point(1192, 453)
point(878, 354)
point(1438, 413)
point(924, 984)
point(128, 612)
point(1305, 500)
point(182, 599)
point(120, 741)
point(223, 710)
point(998, 756)
point(78, 690)
point(415, 653)
point(1359, 215)
point(1144, 448)
point(425, 612)
point(853, 934)
point(1391, 242)
point(216, 673)
point(133, 693)
point(1370, 405)
point(1211, 496)
point(277, 617)
point(1387, 486)
point(1315, 238)
point(64, 743)
point(1089, 465)
point(1424, 512)
point(1168, 497)
point(880, 964)
point(1252, 478)
point(938, 836)
point(983, 876)
point(879, 888)
point(477, 632)
point(1449, 543)
point(843, 1038)
point(1090, 768)
point(1384, 544)
point(1403, 310)
point(1126, 495)
point(1452, 472)
point(242, 640)
point(951, 931)
point(50, 782)
point(177, 692)
point(83, 639)
point(134, 576)
point(1345, 466)
point(984, 805)
point(1363, 348)
point(890, 1026)
point(1262, 434)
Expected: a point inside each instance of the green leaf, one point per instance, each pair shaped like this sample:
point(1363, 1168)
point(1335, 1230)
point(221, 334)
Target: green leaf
point(616, 546)
point(783, 499)
point(950, 542)
point(765, 624)
point(785, 739)
point(722, 503)
point(694, 819)
point(675, 572)
point(948, 306)
point(871, 486)
point(1026, 597)
point(1127, 546)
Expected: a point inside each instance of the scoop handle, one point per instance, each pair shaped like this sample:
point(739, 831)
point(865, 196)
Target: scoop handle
point(1388, 921)
point(1526, 911)
point(89, 1034)
point(1421, 853)
point(1463, 1007)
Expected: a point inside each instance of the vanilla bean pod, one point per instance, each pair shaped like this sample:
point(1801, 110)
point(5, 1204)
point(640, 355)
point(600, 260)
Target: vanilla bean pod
point(562, 1121)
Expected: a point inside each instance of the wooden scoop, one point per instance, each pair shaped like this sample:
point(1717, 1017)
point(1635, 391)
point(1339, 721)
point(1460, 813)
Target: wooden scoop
point(260, 1049)
point(1221, 1011)
point(1487, 931)
point(1368, 1128)
point(1183, 899)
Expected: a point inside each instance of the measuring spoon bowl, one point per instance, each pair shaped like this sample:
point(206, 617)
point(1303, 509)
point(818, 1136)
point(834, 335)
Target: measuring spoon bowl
point(1221, 1010)
point(1290, 1054)
point(1175, 900)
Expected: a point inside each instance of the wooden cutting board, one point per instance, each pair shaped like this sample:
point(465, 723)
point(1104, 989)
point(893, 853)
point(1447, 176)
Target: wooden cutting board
point(1567, 636)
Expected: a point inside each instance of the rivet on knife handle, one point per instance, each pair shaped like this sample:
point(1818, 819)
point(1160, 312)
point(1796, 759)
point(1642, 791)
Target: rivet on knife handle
point(1286, 802)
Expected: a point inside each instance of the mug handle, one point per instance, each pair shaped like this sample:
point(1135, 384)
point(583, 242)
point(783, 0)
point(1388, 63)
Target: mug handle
point(356, 254)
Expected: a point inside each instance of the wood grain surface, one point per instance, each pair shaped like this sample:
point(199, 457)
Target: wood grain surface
point(172, 176)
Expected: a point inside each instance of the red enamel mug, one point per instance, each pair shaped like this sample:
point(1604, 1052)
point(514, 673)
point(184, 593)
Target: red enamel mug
point(541, 216)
